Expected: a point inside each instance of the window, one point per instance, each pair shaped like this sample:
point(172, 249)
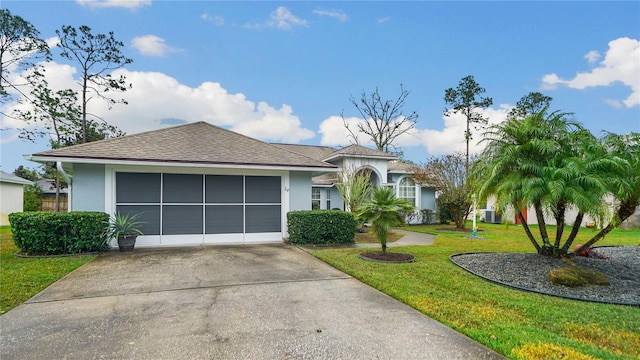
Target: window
point(328, 199)
point(315, 199)
point(407, 190)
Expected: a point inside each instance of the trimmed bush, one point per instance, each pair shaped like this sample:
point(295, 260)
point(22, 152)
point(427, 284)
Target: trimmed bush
point(321, 227)
point(47, 233)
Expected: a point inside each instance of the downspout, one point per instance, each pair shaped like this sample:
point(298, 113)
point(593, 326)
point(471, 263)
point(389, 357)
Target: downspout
point(68, 179)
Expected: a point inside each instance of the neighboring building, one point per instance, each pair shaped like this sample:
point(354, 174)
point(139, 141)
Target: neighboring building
point(489, 214)
point(200, 184)
point(11, 195)
point(48, 196)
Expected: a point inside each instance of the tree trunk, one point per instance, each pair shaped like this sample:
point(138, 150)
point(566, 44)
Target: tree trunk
point(626, 209)
point(572, 236)
point(525, 226)
point(542, 225)
point(57, 207)
point(560, 224)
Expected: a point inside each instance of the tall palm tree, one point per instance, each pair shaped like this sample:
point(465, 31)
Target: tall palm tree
point(384, 212)
point(549, 162)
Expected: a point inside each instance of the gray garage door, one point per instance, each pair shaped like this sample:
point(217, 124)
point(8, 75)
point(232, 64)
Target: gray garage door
point(188, 208)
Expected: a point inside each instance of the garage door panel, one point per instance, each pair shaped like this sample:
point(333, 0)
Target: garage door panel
point(182, 188)
point(181, 219)
point(262, 189)
point(262, 218)
point(137, 188)
point(149, 216)
point(223, 219)
point(224, 189)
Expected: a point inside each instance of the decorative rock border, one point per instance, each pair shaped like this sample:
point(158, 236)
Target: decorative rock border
point(522, 270)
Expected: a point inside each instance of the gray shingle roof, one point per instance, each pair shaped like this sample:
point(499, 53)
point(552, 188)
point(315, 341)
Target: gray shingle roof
point(315, 152)
point(10, 178)
point(198, 143)
point(358, 150)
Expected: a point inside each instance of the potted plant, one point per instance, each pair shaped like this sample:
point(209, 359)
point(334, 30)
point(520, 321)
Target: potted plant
point(126, 229)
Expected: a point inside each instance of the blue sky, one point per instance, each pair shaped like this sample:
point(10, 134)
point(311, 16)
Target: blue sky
point(284, 71)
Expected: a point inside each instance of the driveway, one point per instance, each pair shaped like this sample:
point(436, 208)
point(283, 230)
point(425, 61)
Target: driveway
point(231, 302)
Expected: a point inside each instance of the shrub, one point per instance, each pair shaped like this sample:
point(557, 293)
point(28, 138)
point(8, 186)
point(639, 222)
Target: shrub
point(427, 216)
point(321, 227)
point(46, 233)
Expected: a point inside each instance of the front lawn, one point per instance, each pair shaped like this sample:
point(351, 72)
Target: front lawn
point(517, 324)
point(22, 278)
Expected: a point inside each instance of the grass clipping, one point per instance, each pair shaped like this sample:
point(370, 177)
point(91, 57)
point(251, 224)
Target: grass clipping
point(574, 277)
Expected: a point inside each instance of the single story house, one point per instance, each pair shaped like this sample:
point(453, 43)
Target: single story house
point(201, 184)
point(48, 196)
point(11, 195)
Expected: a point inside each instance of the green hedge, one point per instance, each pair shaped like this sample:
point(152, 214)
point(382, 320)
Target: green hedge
point(321, 227)
point(48, 233)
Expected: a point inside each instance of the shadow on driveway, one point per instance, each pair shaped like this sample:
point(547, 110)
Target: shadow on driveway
point(222, 302)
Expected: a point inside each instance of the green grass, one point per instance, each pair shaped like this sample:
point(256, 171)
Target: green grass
point(22, 278)
point(517, 324)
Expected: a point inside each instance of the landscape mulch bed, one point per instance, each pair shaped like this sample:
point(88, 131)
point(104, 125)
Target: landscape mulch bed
point(387, 257)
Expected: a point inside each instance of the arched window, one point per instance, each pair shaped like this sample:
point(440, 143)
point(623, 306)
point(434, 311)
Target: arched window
point(407, 190)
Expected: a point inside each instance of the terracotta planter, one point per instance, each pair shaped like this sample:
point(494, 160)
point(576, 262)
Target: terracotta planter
point(126, 243)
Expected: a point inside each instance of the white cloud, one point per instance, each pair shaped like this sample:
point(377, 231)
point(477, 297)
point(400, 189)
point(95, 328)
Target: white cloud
point(281, 18)
point(383, 20)
point(336, 14)
point(151, 45)
point(156, 97)
point(216, 20)
point(127, 4)
point(621, 64)
point(435, 142)
point(592, 56)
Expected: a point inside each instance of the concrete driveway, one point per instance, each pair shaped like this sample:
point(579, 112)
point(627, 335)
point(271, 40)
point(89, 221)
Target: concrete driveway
point(232, 302)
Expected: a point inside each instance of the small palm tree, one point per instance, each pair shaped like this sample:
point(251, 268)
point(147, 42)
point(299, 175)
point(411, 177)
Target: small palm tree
point(384, 212)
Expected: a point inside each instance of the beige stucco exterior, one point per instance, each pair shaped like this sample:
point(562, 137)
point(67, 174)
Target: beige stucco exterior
point(11, 199)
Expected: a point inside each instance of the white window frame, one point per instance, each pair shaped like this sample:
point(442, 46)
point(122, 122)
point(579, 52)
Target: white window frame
point(404, 190)
point(316, 197)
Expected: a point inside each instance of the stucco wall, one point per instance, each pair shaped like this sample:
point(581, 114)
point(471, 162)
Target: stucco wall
point(87, 191)
point(299, 190)
point(11, 200)
point(428, 199)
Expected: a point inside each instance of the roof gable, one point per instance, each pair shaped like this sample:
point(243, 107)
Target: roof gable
point(197, 143)
point(360, 151)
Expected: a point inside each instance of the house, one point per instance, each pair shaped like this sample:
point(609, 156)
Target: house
point(201, 184)
point(11, 195)
point(48, 196)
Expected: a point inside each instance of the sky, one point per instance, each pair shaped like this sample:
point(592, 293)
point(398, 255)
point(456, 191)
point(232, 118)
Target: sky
point(286, 71)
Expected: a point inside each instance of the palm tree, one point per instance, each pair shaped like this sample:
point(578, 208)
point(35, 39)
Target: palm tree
point(624, 180)
point(384, 212)
point(549, 162)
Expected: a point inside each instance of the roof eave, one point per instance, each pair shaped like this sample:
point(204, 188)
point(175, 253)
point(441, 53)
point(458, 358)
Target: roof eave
point(178, 163)
point(337, 156)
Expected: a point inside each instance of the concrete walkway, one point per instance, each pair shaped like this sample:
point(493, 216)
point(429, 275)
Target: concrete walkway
point(408, 238)
point(222, 302)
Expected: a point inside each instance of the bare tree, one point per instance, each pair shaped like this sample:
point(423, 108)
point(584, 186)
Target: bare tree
point(448, 175)
point(383, 120)
point(97, 56)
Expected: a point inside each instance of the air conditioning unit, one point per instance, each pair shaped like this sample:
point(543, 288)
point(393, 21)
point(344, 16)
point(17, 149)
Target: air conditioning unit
point(490, 216)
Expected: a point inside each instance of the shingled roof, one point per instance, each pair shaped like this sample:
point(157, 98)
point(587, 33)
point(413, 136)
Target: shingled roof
point(315, 152)
point(196, 143)
point(360, 151)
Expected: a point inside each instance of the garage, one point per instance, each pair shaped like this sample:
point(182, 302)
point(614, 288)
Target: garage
point(182, 209)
